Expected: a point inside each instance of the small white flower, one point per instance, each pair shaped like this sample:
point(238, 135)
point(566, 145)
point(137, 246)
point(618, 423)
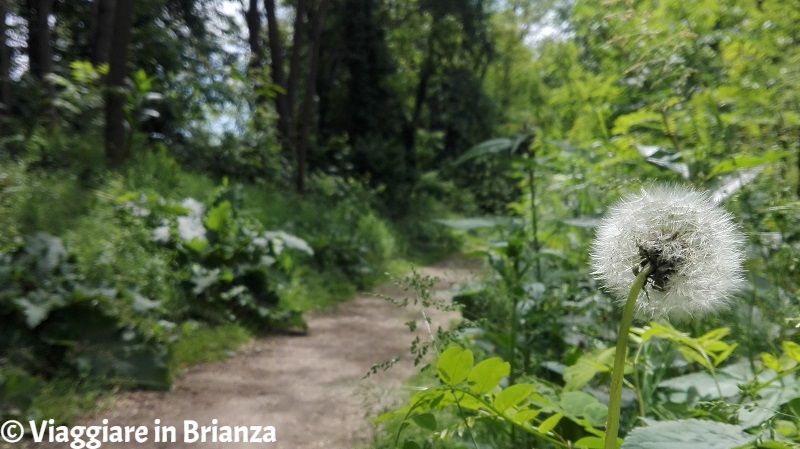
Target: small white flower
point(161, 234)
point(280, 238)
point(694, 245)
point(191, 227)
point(196, 208)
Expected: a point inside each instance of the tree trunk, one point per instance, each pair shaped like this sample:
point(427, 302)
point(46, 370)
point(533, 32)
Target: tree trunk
point(6, 101)
point(253, 20)
point(278, 78)
point(117, 149)
point(294, 124)
point(40, 53)
point(102, 30)
point(420, 97)
point(307, 110)
point(298, 42)
point(256, 64)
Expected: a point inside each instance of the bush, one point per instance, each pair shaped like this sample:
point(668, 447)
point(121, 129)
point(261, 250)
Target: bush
point(55, 322)
point(229, 269)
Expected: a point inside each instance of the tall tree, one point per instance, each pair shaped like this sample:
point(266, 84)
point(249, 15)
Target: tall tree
point(278, 77)
point(116, 143)
point(293, 121)
point(400, 68)
point(253, 19)
point(102, 30)
point(40, 52)
point(306, 112)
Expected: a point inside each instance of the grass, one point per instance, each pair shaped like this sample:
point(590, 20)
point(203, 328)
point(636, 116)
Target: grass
point(65, 400)
point(201, 344)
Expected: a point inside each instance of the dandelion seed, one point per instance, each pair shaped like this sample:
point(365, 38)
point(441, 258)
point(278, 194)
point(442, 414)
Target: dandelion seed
point(694, 247)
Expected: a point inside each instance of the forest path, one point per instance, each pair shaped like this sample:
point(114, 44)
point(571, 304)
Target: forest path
point(309, 388)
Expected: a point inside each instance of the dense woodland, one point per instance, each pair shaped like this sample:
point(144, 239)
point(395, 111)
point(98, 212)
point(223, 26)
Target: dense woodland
point(177, 176)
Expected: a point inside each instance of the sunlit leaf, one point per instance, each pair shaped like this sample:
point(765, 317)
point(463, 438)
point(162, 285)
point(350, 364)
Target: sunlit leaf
point(454, 365)
point(792, 350)
point(512, 396)
point(487, 374)
point(590, 443)
point(550, 423)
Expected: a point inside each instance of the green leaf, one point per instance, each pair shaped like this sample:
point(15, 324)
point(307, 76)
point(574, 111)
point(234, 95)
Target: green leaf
point(792, 350)
point(491, 146)
point(391, 415)
point(661, 157)
point(741, 162)
point(590, 443)
point(642, 118)
point(495, 146)
point(526, 415)
point(488, 374)
point(584, 405)
point(219, 215)
point(587, 366)
point(687, 433)
point(771, 362)
point(596, 414)
point(197, 245)
point(425, 420)
point(454, 365)
point(37, 306)
point(702, 385)
point(574, 402)
point(550, 423)
point(582, 222)
point(776, 445)
point(410, 444)
point(770, 401)
point(512, 396)
point(468, 224)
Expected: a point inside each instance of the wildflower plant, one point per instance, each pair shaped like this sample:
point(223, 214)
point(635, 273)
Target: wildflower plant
point(666, 252)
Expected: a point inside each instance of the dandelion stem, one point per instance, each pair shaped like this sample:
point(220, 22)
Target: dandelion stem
point(618, 374)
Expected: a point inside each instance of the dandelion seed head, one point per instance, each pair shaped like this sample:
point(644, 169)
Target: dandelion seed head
point(694, 245)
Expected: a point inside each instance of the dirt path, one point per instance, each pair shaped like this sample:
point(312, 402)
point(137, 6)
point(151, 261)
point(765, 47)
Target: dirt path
point(309, 388)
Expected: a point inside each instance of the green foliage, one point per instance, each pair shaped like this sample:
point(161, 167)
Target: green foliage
point(110, 299)
point(18, 390)
point(636, 92)
point(55, 323)
point(479, 397)
point(688, 432)
point(339, 220)
point(229, 269)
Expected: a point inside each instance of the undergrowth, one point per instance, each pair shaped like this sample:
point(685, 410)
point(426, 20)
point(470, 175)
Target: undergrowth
point(173, 268)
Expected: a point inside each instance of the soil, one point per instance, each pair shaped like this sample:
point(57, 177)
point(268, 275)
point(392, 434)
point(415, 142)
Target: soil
point(309, 388)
